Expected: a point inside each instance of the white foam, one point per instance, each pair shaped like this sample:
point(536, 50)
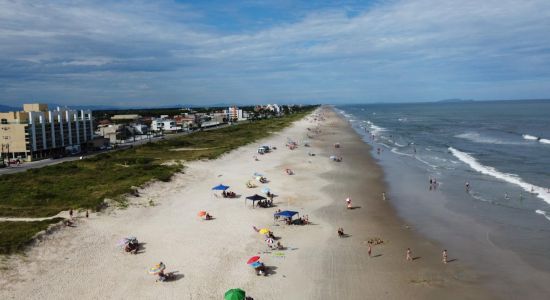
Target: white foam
point(376, 129)
point(425, 162)
point(530, 137)
point(394, 150)
point(511, 178)
point(478, 138)
point(542, 212)
point(399, 145)
point(544, 141)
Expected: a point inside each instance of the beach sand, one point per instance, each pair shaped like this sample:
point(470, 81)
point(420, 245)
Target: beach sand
point(210, 257)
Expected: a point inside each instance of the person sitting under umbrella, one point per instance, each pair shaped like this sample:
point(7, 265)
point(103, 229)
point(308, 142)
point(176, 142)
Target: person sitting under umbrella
point(159, 271)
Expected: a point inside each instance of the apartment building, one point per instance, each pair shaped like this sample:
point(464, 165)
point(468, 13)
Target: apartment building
point(37, 132)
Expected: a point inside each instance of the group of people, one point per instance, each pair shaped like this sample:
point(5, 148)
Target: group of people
point(228, 194)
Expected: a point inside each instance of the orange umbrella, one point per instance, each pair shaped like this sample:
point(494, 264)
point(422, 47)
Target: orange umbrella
point(202, 213)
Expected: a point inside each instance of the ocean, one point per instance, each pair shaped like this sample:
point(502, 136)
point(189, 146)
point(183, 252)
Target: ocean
point(491, 163)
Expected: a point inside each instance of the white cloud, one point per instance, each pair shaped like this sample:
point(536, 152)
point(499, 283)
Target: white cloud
point(427, 48)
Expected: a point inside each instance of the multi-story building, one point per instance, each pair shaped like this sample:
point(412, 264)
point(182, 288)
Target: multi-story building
point(235, 114)
point(164, 125)
point(37, 132)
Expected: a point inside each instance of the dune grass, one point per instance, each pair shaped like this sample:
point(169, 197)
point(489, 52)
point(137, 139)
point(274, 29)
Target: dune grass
point(14, 236)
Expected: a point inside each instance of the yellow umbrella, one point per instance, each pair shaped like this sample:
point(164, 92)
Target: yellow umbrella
point(264, 231)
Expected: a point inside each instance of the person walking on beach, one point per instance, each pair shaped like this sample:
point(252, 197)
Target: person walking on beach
point(444, 256)
point(71, 213)
point(384, 196)
point(87, 215)
point(370, 250)
point(409, 254)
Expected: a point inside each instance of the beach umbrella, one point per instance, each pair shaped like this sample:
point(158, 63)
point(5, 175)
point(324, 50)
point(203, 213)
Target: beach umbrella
point(253, 259)
point(220, 187)
point(264, 231)
point(126, 240)
point(234, 294)
point(157, 268)
point(265, 190)
point(202, 213)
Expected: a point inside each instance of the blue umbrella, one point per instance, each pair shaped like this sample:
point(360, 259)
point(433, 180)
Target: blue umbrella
point(220, 187)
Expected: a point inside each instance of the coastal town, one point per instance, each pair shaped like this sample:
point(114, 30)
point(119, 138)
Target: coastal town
point(39, 132)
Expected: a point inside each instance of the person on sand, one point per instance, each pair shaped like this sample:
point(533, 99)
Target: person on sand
point(340, 232)
point(444, 254)
point(87, 215)
point(71, 213)
point(370, 250)
point(384, 196)
point(409, 254)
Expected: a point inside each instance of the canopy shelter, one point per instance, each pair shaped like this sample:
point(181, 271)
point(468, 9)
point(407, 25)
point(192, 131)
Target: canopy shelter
point(255, 198)
point(287, 214)
point(220, 187)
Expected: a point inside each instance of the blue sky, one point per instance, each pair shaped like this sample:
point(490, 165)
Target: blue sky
point(149, 53)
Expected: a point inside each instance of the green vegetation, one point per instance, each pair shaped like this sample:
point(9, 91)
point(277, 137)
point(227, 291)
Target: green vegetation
point(86, 183)
point(14, 236)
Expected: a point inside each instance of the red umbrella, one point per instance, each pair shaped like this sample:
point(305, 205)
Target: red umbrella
point(253, 259)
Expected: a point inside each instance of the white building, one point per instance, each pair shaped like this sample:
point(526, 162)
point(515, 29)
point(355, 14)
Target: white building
point(165, 125)
point(234, 113)
point(37, 132)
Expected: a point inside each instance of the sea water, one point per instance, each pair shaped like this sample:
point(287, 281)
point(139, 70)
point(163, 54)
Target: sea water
point(500, 148)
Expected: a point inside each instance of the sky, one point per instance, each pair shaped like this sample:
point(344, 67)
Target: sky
point(159, 53)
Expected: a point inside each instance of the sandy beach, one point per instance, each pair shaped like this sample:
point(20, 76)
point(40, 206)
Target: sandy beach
point(209, 257)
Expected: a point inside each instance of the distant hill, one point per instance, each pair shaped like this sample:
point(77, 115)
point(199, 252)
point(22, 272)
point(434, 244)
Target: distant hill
point(5, 108)
point(455, 100)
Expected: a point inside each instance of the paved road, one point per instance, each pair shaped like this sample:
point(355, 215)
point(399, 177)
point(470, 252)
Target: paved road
point(48, 162)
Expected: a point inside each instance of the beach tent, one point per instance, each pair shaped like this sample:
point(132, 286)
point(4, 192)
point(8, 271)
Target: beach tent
point(286, 214)
point(220, 187)
point(234, 294)
point(254, 198)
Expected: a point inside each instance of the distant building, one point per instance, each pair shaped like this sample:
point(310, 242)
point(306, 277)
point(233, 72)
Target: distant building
point(164, 125)
point(37, 132)
point(235, 114)
point(185, 121)
point(139, 129)
point(112, 132)
point(125, 118)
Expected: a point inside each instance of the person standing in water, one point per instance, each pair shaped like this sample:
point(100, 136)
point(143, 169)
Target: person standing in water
point(467, 184)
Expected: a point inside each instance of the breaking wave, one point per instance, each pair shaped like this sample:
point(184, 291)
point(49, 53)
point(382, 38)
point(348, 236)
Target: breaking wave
point(510, 178)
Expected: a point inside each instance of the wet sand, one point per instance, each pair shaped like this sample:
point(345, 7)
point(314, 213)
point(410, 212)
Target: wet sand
point(210, 256)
